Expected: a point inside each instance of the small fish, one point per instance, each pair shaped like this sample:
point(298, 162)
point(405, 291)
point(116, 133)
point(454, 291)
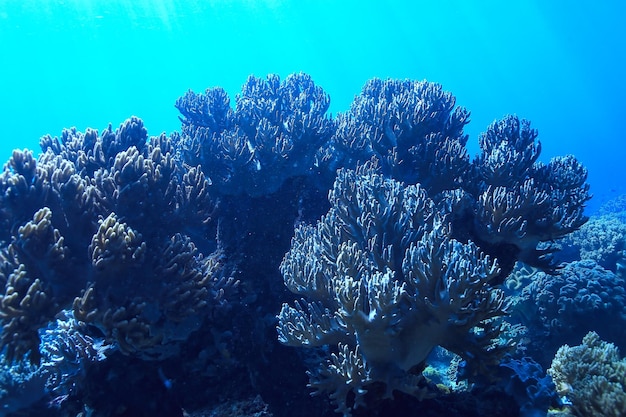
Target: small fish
point(168, 383)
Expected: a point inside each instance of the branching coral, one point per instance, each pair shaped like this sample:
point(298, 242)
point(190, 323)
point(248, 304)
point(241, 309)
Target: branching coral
point(505, 200)
point(522, 203)
point(383, 284)
point(119, 228)
point(142, 281)
point(272, 134)
point(592, 376)
point(36, 285)
point(153, 322)
point(24, 189)
point(412, 127)
point(509, 150)
point(353, 273)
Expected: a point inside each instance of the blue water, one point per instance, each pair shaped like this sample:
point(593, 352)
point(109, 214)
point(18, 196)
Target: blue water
point(88, 63)
point(92, 63)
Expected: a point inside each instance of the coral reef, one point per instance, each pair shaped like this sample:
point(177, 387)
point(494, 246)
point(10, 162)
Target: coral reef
point(112, 212)
point(615, 206)
point(151, 270)
point(174, 306)
point(383, 284)
point(504, 204)
point(562, 308)
point(523, 204)
point(506, 201)
point(412, 127)
point(259, 158)
point(273, 133)
point(37, 282)
point(602, 239)
point(592, 377)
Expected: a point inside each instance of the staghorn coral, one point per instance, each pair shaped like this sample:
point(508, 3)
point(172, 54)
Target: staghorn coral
point(272, 135)
point(382, 285)
point(592, 377)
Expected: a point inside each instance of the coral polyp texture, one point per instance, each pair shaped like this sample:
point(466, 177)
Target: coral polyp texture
point(383, 284)
point(602, 239)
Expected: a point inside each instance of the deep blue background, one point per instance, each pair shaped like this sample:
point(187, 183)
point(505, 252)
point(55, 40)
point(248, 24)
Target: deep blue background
point(559, 63)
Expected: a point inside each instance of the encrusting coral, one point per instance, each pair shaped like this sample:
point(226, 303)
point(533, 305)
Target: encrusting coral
point(561, 308)
point(383, 283)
